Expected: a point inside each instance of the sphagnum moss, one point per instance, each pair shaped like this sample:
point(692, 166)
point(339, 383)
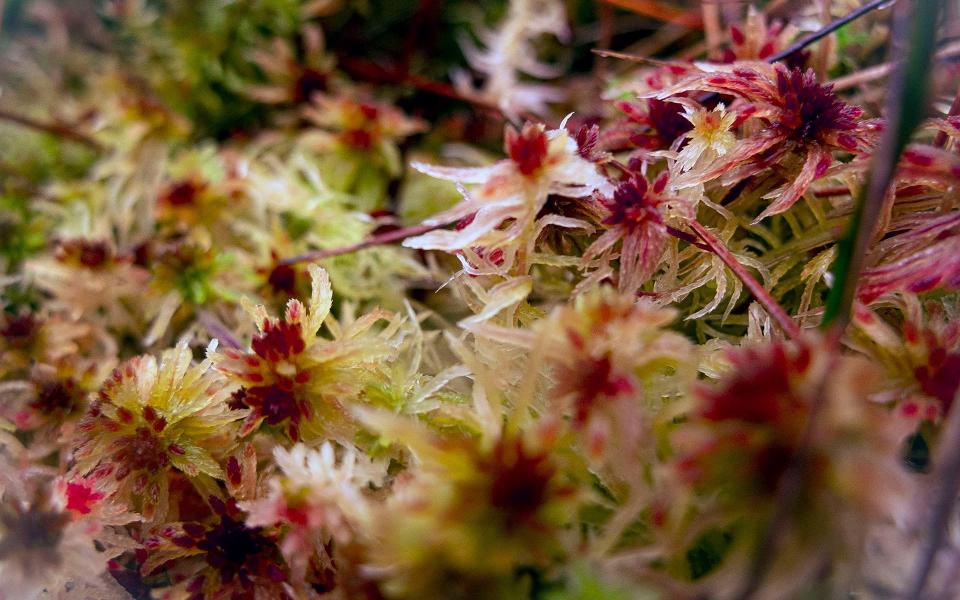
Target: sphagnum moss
point(231, 369)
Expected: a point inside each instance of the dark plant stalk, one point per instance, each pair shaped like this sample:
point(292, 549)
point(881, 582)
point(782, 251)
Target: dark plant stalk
point(661, 11)
point(793, 48)
point(816, 36)
point(687, 237)
point(217, 329)
point(55, 129)
point(830, 28)
point(375, 240)
point(373, 72)
point(398, 235)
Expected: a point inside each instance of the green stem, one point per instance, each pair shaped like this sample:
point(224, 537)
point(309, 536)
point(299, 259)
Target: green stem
point(905, 109)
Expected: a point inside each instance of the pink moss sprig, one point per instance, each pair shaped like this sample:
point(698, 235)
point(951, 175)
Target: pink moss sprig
point(583, 366)
point(745, 435)
point(800, 118)
point(151, 418)
point(297, 383)
point(637, 219)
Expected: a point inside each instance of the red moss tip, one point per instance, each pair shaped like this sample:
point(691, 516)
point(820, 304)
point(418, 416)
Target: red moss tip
point(309, 82)
point(234, 473)
point(277, 403)
point(634, 202)
point(19, 329)
point(182, 193)
point(760, 391)
point(57, 397)
point(282, 279)
point(940, 378)
point(811, 111)
point(141, 451)
point(520, 479)
point(81, 497)
point(591, 384)
point(664, 121)
point(92, 254)
point(279, 341)
point(528, 149)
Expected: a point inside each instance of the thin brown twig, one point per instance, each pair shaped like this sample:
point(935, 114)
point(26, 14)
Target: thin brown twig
point(621, 167)
point(376, 240)
point(712, 28)
point(776, 312)
point(367, 70)
point(605, 18)
point(822, 58)
point(217, 329)
point(660, 11)
point(399, 235)
point(56, 129)
point(661, 38)
point(687, 237)
point(854, 79)
point(632, 57)
point(421, 34)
